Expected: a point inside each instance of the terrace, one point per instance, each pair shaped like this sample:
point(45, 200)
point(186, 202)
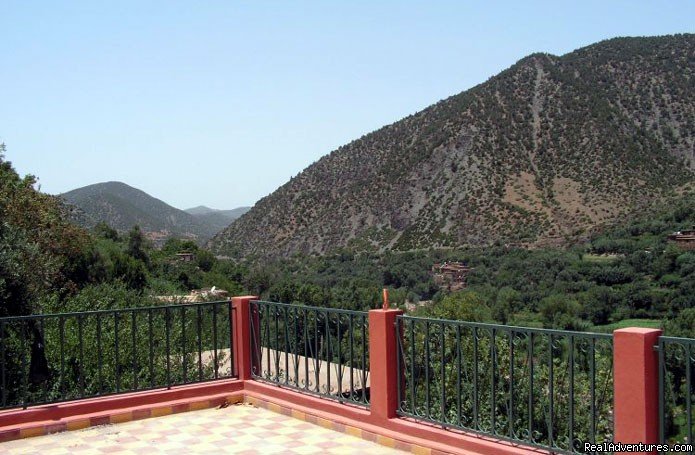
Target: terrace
point(338, 381)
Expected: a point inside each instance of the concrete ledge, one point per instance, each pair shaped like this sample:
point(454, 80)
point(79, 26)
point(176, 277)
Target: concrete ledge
point(395, 432)
point(399, 433)
point(75, 415)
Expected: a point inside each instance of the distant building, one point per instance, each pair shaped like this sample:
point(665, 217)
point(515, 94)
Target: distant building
point(185, 256)
point(450, 275)
point(684, 239)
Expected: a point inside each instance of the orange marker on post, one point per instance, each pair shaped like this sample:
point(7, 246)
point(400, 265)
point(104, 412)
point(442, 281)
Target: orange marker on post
point(386, 299)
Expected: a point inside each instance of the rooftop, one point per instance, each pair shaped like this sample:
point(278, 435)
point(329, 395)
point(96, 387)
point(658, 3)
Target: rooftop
point(246, 429)
point(249, 376)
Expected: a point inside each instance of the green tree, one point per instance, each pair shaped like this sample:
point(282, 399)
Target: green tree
point(137, 245)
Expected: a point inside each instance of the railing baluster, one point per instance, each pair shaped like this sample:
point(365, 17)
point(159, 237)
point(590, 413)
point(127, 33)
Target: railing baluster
point(184, 365)
point(510, 410)
point(230, 338)
point(306, 350)
point(399, 361)
point(339, 373)
point(592, 385)
point(530, 389)
point(458, 374)
point(427, 370)
point(365, 348)
point(493, 391)
point(287, 347)
point(689, 391)
point(276, 346)
point(570, 424)
point(99, 359)
point(133, 324)
point(352, 360)
point(328, 353)
point(150, 332)
point(442, 372)
point(199, 329)
point(266, 330)
point(3, 364)
point(81, 344)
point(61, 341)
point(116, 356)
point(214, 341)
point(317, 354)
point(25, 372)
point(552, 394)
point(476, 424)
point(412, 367)
point(167, 332)
point(295, 350)
point(42, 329)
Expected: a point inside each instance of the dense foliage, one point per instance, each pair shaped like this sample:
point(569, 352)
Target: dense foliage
point(49, 265)
point(123, 206)
point(629, 272)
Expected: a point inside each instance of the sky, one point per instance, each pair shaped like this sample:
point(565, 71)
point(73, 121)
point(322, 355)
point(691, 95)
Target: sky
point(220, 103)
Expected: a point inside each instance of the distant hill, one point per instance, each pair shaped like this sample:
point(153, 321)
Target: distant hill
point(219, 219)
point(541, 154)
point(123, 206)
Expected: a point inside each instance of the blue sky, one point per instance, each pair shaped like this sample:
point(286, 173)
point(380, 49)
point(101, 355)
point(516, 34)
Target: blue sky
point(219, 103)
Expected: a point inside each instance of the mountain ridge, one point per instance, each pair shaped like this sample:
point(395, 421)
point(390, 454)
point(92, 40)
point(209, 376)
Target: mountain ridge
point(219, 219)
point(123, 206)
point(540, 154)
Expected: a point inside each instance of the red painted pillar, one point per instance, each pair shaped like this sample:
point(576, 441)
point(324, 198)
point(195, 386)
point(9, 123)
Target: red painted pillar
point(242, 335)
point(383, 365)
point(636, 385)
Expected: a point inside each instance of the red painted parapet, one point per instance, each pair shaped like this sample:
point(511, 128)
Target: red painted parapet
point(383, 365)
point(242, 335)
point(636, 385)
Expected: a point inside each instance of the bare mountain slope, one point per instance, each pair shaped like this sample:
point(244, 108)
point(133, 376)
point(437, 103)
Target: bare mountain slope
point(539, 154)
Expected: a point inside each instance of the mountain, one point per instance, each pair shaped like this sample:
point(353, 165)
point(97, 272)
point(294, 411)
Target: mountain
point(540, 154)
point(219, 219)
point(123, 206)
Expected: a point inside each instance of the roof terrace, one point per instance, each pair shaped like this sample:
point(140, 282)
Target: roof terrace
point(338, 381)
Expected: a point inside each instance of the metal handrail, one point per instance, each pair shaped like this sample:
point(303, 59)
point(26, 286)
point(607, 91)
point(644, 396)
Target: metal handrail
point(518, 384)
point(320, 351)
point(51, 358)
point(676, 389)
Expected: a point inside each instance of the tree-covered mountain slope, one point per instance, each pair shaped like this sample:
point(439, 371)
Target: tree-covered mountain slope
point(541, 154)
point(122, 207)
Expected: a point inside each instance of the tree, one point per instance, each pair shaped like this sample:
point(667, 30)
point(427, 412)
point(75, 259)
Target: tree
point(104, 231)
point(205, 260)
point(136, 245)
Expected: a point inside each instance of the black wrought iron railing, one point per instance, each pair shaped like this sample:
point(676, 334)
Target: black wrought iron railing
point(676, 390)
point(322, 351)
point(545, 388)
point(51, 358)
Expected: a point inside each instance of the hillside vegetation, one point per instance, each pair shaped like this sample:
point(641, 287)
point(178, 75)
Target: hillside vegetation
point(122, 207)
point(50, 265)
point(543, 154)
point(629, 272)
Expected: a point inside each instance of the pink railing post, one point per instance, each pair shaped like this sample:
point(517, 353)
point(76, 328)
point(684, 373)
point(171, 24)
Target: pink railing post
point(383, 364)
point(636, 385)
point(242, 335)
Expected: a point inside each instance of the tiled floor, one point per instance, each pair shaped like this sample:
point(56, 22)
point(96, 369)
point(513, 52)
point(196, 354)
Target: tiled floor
point(240, 429)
